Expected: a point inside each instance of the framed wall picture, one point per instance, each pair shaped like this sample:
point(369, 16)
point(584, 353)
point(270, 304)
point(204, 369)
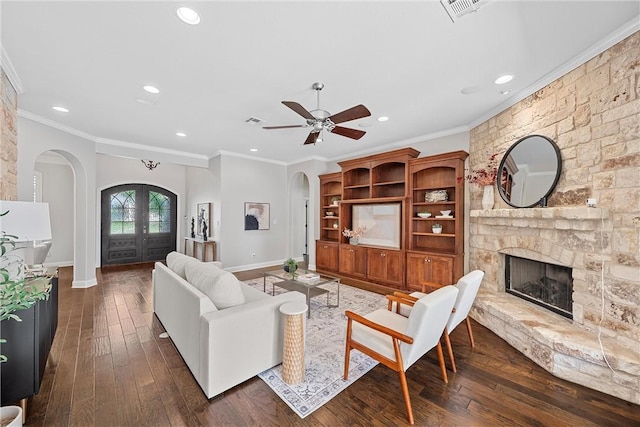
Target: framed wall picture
point(203, 224)
point(256, 216)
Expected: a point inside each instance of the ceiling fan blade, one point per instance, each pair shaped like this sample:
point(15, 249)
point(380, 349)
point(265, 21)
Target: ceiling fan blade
point(299, 109)
point(284, 127)
point(357, 112)
point(311, 139)
point(349, 133)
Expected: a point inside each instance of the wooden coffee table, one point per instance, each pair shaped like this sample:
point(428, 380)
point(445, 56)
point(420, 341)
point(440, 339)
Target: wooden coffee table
point(310, 289)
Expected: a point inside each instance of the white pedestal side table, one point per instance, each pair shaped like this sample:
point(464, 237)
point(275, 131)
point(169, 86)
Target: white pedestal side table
point(293, 351)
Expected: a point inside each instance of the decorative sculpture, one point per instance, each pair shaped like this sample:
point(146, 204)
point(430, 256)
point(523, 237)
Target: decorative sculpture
point(193, 233)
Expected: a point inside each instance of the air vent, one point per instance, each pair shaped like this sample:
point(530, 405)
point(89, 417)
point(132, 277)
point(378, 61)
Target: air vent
point(254, 120)
point(458, 8)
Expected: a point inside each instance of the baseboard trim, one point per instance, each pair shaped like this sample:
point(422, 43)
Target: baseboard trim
point(82, 284)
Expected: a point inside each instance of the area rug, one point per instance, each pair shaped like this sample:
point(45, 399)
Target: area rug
point(324, 349)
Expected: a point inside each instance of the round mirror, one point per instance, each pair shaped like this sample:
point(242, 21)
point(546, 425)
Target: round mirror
point(529, 171)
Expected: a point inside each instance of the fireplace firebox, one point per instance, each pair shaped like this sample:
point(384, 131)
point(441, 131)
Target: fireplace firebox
point(548, 285)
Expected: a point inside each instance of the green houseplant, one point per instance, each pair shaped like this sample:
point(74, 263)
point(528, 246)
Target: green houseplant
point(291, 266)
point(15, 293)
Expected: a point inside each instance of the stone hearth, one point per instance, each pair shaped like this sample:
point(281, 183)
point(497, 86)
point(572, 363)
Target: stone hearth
point(569, 349)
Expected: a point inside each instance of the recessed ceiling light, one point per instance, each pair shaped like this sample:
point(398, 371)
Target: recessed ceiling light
point(151, 89)
point(383, 118)
point(364, 124)
point(253, 149)
point(181, 134)
point(470, 89)
point(188, 15)
point(60, 109)
point(505, 92)
point(503, 79)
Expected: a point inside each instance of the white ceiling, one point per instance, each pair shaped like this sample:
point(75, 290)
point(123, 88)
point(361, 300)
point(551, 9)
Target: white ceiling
point(402, 59)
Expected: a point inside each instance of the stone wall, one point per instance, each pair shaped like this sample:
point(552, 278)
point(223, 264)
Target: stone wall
point(593, 114)
point(8, 139)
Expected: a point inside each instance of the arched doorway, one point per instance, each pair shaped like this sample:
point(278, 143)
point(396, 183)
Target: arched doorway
point(138, 224)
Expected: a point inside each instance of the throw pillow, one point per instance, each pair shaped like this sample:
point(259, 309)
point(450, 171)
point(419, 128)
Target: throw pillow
point(220, 286)
point(177, 261)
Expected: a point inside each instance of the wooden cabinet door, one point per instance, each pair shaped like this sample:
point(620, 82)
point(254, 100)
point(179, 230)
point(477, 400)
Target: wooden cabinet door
point(417, 270)
point(395, 270)
point(441, 270)
point(326, 256)
point(385, 266)
point(353, 260)
point(428, 268)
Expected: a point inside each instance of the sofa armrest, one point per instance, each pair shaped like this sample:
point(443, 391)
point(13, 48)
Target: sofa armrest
point(242, 341)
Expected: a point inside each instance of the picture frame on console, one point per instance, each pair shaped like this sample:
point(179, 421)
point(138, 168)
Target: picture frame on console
point(256, 216)
point(204, 220)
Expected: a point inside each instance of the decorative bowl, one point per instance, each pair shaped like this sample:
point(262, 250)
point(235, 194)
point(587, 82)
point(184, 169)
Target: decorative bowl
point(446, 213)
point(424, 214)
point(329, 213)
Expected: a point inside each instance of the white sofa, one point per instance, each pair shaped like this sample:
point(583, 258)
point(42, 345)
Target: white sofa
point(221, 346)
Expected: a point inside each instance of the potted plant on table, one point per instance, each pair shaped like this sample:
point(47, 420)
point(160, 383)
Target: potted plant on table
point(290, 266)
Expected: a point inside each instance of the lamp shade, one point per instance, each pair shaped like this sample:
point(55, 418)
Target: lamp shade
point(28, 221)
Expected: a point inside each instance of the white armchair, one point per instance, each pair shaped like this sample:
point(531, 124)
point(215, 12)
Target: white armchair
point(468, 285)
point(397, 341)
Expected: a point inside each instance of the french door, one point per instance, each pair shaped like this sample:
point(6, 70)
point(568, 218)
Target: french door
point(138, 224)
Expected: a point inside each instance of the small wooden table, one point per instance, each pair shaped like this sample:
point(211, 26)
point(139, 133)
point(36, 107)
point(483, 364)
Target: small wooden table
point(200, 248)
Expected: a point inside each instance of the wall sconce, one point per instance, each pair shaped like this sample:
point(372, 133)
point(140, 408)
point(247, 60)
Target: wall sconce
point(150, 164)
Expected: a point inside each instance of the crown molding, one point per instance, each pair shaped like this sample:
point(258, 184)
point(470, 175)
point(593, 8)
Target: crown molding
point(136, 146)
point(615, 37)
point(55, 125)
point(246, 156)
point(10, 71)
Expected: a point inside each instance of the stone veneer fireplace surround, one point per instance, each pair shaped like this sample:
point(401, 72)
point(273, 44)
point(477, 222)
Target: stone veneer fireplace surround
point(569, 236)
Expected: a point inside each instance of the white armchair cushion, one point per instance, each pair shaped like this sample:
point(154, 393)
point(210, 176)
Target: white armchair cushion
point(220, 286)
point(177, 262)
point(377, 341)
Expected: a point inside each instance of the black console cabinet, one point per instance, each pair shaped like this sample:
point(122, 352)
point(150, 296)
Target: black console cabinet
point(27, 348)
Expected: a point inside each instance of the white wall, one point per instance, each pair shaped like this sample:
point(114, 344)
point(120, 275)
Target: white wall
point(57, 190)
point(34, 139)
point(248, 180)
point(112, 171)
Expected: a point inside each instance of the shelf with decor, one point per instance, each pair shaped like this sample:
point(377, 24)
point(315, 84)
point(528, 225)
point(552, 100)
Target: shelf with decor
point(330, 196)
point(436, 185)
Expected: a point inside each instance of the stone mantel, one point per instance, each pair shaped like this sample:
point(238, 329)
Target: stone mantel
point(559, 213)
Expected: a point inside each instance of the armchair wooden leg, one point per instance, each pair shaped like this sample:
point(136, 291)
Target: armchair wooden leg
point(405, 393)
point(449, 350)
point(347, 350)
point(443, 368)
point(473, 344)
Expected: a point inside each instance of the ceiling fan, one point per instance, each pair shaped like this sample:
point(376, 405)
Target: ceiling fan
point(323, 120)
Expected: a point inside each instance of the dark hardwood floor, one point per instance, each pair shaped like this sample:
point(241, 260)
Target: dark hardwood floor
point(109, 368)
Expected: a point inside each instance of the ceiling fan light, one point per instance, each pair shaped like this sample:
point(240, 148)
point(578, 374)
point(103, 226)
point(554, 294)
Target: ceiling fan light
point(188, 15)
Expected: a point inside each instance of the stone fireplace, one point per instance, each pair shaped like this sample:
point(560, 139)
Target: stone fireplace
point(591, 112)
point(570, 349)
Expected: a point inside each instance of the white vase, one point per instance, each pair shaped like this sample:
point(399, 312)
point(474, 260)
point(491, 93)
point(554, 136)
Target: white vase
point(487, 197)
point(353, 240)
point(11, 416)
